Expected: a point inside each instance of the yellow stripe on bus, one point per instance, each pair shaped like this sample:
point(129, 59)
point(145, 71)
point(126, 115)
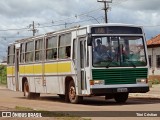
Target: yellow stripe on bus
point(28, 69)
point(22, 69)
point(64, 67)
point(51, 68)
point(38, 69)
point(10, 70)
point(58, 67)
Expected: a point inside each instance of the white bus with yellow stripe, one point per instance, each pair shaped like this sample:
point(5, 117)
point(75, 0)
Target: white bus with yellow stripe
point(64, 62)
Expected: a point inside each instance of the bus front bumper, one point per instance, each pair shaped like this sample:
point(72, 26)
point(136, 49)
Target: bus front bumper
point(103, 91)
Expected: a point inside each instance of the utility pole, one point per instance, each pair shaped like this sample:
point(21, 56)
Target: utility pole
point(65, 25)
point(106, 7)
point(33, 28)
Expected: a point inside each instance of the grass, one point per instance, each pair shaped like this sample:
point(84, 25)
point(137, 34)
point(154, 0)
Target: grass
point(56, 115)
point(3, 82)
point(20, 108)
point(153, 82)
point(3, 75)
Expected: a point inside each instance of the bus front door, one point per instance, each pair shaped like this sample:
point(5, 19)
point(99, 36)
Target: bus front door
point(81, 64)
point(17, 46)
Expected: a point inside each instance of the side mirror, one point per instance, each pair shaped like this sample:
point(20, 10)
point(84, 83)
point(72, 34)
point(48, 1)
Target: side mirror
point(89, 40)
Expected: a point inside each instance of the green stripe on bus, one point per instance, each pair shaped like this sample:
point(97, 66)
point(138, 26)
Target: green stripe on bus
point(119, 76)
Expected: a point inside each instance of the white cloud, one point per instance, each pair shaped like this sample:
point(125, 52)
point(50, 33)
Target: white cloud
point(21, 13)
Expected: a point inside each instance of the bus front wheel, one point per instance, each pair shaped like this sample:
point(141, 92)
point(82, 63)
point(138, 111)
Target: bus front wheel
point(73, 98)
point(121, 97)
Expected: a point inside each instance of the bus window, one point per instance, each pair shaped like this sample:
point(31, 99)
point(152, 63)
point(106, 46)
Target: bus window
point(51, 48)
point(64, 46)
point(74, 49)
point(29, 51)
point(11, 52)
point(68, 51)
point(38, 50)
point(22, 52)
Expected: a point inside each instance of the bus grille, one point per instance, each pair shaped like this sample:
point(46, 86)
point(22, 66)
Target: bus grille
point(119, 76)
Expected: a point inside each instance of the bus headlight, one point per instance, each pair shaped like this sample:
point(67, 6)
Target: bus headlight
point(141, 80)
point(97, 82)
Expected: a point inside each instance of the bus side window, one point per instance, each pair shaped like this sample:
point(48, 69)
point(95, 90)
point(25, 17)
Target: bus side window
point(64, 46)
point(68, 51)
point(29, 51)
point(51, 48)
point(38, 49)
point(11, 53)
point(22, 52)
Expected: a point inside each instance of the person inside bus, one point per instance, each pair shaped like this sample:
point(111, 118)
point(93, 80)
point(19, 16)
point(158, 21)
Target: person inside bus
point(68, 51)
point(100, 52)
point(100, 49)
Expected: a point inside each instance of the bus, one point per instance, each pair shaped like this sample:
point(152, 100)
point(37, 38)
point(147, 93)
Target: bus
point(68, 63)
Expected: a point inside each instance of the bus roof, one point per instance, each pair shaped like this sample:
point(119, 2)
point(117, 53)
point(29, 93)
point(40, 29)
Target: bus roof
point(72, 29)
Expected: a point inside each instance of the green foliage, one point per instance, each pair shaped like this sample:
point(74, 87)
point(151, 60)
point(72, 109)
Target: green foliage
point(3, 74)
point(150, 83)
point(154, 81)
point(20, 108)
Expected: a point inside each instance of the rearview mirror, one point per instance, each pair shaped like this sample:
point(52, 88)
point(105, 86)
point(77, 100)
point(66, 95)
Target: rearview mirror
point(89, 40)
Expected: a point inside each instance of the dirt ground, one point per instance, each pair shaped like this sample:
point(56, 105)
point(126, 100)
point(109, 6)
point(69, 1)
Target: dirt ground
point(49, 102)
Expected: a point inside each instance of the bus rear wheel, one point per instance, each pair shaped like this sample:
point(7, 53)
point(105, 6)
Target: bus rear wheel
point(29, 94)
point(73, 98)
point(121, 97)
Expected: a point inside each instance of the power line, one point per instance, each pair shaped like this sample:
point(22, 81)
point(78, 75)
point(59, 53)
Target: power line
point(119, 2)
point(14, 29)
point(69, 23)
point(79, 15)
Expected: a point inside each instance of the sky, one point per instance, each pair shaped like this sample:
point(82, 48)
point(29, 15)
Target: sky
point(17, 16)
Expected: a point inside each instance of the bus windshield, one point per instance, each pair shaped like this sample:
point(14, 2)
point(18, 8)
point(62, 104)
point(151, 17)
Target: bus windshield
point(119, 51)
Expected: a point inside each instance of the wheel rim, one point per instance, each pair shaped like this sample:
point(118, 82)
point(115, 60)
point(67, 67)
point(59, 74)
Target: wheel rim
point(72, 93)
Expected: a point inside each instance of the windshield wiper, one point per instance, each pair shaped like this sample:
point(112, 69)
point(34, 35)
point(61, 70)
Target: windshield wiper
point(132, 64)
point(111, 62)
point(127, 61)
point(117, 54)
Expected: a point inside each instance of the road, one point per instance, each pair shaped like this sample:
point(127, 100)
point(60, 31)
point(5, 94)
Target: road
point(49, 102)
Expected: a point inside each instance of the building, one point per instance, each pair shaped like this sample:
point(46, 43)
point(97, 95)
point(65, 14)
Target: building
point(3, 63)
point(153, 46)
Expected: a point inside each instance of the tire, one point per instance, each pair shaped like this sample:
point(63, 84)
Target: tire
point(73, 98)
point(62, 96)
point(28, 94)
point(121, 97)
point(36, 95)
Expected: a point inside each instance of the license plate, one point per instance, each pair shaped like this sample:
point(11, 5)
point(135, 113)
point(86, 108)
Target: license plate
point(122, 90)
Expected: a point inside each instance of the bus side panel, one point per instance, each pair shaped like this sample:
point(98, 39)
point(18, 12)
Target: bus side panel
point(11, 83)
point(20, 84)
point(64, 70)
point(11, 78)
point(39, 79)
point(52, 83)
point(31, 83)
point(21, 75)
point(29, 73)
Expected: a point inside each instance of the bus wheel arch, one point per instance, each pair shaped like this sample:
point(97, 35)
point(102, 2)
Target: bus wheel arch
point(68, 79)
point(26, 90)
point(70, 91)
